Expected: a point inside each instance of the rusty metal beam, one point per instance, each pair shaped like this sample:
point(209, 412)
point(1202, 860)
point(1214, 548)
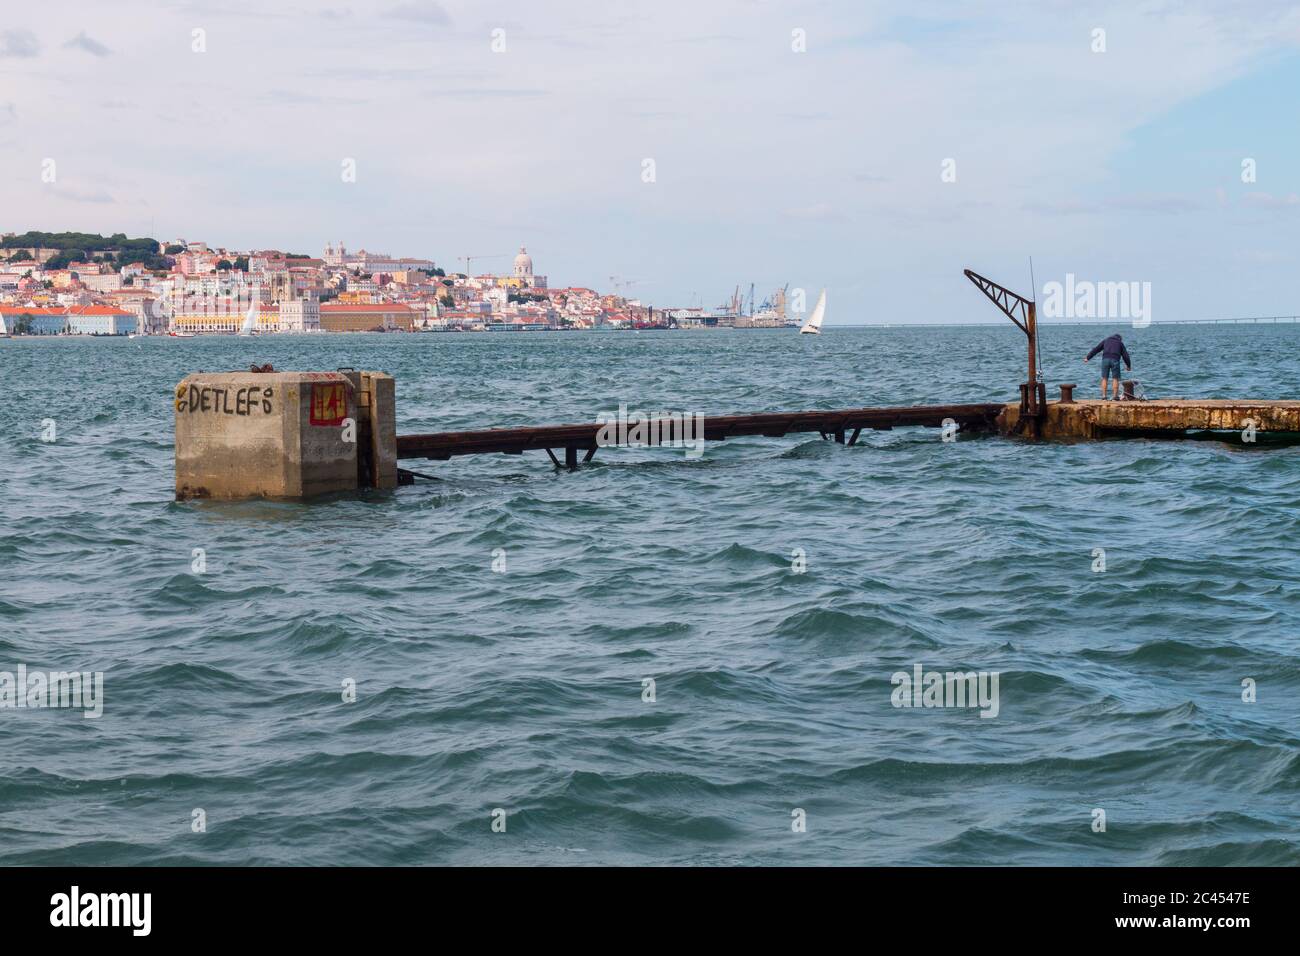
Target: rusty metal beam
point(1016, 307)
point(1023, 313)
point(443, 445)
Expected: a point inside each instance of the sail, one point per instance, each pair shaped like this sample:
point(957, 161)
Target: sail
point(818, 312)
point(814, 323)
point(250, 321)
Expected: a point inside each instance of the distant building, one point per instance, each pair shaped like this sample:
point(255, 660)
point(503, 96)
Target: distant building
point(106, 282)
point(35, 320)
point(523, 277)
point(363, 317)
point(139, 303)
point(371, 262)
point(335, 256)
point(222, 315)
point(100, 320)
point(196, 262)
point(77, 320)
point(300, 315)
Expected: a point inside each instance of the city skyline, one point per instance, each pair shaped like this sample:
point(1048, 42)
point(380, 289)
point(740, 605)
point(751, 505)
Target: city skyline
point(469, 129)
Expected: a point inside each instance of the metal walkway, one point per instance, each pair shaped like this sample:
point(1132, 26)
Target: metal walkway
point(844, 425)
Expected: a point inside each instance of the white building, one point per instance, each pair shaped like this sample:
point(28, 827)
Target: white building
point(300, 315)
point(524, 272)
point(371, 262)
point(100, 320)
point(106, 282)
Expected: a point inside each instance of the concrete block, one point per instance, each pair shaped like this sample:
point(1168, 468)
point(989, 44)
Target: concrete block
point(264, 435)
point(380, 398)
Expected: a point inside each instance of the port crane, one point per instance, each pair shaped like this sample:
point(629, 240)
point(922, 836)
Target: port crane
point(619, 283)
point(468, 260)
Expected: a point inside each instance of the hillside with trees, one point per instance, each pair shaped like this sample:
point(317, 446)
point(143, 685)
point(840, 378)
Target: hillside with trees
point(83, 246)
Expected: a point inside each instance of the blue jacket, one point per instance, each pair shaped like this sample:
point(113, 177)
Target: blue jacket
point(1113, 348)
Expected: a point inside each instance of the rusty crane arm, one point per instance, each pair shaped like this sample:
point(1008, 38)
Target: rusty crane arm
point(1021, 311)
point(1016, 307)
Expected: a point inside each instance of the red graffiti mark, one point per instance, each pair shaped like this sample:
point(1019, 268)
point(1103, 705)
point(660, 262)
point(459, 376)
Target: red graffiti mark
point(328, 403)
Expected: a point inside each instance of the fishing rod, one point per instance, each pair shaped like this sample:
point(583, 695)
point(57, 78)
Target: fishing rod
point(1033, 291)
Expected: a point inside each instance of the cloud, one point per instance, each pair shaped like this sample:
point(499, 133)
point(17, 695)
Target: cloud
point(1267, 257)
point(295, 98)
point(1157, 204)
point(472, 94)
point(419, 12)
point(82, 41)
point(1160, 205)
point(81, 195)
point(18, 43)
point(818, 212)
point(1269, 201)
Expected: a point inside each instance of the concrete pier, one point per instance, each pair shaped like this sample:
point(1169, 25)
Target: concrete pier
point(1094, 418)
point(293, 435)
point(266, 434)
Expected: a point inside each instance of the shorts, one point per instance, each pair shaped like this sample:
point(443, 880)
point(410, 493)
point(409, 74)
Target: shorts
point(1110, 368)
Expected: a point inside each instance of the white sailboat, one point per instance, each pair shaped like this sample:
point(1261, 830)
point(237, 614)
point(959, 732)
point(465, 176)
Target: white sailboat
point(250, 321)
point(814, 324)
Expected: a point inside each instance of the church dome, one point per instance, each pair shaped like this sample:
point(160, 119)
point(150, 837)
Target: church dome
point(523, 263)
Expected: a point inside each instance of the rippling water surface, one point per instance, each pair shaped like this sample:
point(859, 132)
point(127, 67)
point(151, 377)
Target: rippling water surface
point(523, 690)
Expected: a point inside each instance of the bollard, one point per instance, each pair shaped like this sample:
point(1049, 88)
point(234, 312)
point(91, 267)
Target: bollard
point(287, 435)
point(1067, 394)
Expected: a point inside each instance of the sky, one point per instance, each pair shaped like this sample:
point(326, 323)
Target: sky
point(686, 148)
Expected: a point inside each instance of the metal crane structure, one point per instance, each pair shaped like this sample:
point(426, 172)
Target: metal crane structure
point(469, 259)
point(1021, 311)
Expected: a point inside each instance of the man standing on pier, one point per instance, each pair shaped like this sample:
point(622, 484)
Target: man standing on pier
point(1112, 350)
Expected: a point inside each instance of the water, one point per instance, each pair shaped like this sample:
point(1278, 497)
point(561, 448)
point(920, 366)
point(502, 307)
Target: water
point(523, 691)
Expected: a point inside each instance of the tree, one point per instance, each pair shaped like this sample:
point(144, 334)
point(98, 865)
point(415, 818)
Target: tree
point(75, 240)
point(224, 265)
point(173, 249)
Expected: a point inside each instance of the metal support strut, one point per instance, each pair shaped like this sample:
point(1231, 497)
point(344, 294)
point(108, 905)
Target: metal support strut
point(1021, 311)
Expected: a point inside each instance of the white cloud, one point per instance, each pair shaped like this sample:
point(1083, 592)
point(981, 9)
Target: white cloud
point(1268, 201)
point(83, 41)
point(421, 12)
point(18, 43)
